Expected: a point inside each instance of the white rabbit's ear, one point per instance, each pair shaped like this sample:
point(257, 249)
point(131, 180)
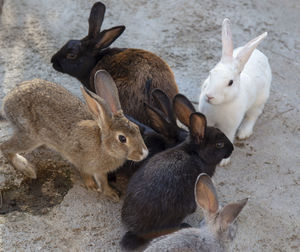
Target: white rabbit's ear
point(206, 195)
point(106, 88)
point(227, 44)
point(229, 213)
point(245, 53)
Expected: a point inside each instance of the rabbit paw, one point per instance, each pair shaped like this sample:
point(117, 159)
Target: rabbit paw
point(24, 166)
point(112, 194)
point(90, 184)
point(225, 162)
point(244, 132)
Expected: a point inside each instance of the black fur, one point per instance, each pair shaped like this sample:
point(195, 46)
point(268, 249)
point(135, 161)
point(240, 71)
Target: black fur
point(164, 135)
point(161, 193)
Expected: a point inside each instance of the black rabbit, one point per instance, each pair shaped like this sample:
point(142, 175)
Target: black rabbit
point(164, 132)
point(161, 193)
point(130, 68)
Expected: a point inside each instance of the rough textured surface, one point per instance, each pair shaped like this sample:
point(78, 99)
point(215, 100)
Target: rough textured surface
point(187, 35)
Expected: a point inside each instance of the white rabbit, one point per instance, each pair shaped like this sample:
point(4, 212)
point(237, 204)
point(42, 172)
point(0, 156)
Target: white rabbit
point(237, 88)
point(217, 230)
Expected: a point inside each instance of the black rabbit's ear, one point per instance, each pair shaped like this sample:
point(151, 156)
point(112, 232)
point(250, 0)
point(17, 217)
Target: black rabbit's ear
point(162, 102)
point(206, 195)
point(96, 19)
point(106, 88)
point(107, 37)
point(183, 108)
point(197, 126)
point(157, 120)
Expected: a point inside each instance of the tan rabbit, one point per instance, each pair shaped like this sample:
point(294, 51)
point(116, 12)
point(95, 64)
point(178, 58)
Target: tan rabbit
point(96, 137)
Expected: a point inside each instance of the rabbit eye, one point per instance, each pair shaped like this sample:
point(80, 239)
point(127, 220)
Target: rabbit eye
point(230, 82)
point(71, 56)
point(220, 145)
point(122, 139)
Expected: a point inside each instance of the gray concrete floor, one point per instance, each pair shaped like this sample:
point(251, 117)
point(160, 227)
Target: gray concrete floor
point(186, 34)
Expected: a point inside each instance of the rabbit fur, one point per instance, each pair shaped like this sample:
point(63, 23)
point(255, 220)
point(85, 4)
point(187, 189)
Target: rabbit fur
point(217, 230)
point(88, 135)
point(130, 68)
point(237, 88)
point(160, 194)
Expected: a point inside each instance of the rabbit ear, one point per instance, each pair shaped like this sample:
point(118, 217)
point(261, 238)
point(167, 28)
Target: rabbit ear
point(158, 121)
point(197, 126)
point(163, 103)
point(183, 108)
point(106, 88)
point(98, 107)
point(96, 19)
point(229, 213)
point(206, 195)
point(245, 53)
point(227, 44)
point(107, 37)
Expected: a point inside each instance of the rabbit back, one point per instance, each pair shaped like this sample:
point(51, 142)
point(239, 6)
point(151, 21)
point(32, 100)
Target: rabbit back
point(44, 108)
point(171, 175)
point(187, 239)
point(133, 70)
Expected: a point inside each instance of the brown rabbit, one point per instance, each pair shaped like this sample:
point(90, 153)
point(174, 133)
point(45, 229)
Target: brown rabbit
point(136, 72)
point(95, 137)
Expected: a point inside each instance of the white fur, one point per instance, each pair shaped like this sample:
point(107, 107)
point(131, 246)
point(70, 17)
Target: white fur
point(236, 107)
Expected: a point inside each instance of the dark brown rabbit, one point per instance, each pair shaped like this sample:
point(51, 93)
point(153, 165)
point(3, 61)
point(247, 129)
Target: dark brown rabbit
point(161, 193)
point(96, 137)
point(130, 68)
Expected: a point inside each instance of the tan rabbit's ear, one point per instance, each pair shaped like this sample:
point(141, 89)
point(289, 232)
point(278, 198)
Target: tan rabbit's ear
point(106, 88)
point(227, 43)
point(245, 53)
point(229, 213)
point(183, 108)
point(96, 19)
point(206, 195)
point(197, 127)
point(98, 107)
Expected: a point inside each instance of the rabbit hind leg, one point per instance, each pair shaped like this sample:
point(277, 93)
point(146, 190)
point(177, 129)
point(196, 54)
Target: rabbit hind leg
point(20, 142)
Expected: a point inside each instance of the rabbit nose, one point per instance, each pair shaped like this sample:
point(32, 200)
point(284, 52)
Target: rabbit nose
point(209, 97)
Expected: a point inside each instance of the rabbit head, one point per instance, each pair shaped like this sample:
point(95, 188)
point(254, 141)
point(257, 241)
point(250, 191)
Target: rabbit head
point(219, 221)
point(209, 143)
point(78, 57)
point(120, 136)
point(222, 84)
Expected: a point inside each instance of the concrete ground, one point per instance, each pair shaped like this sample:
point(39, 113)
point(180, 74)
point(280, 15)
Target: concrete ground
point(186, 34)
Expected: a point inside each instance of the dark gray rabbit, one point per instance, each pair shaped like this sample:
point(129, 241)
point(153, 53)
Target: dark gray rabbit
point(217, 230)
point(161, 193)
point(130, 68)
point(164, 132)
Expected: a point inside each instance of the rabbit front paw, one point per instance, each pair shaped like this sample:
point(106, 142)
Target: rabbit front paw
point(112, 194)
point(244, 132)
point(225, 161)
point(90, 183)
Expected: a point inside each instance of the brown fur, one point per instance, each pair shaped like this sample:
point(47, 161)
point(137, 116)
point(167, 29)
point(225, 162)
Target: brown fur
point(130, 69)
point(135, 71)
point(45, 113)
